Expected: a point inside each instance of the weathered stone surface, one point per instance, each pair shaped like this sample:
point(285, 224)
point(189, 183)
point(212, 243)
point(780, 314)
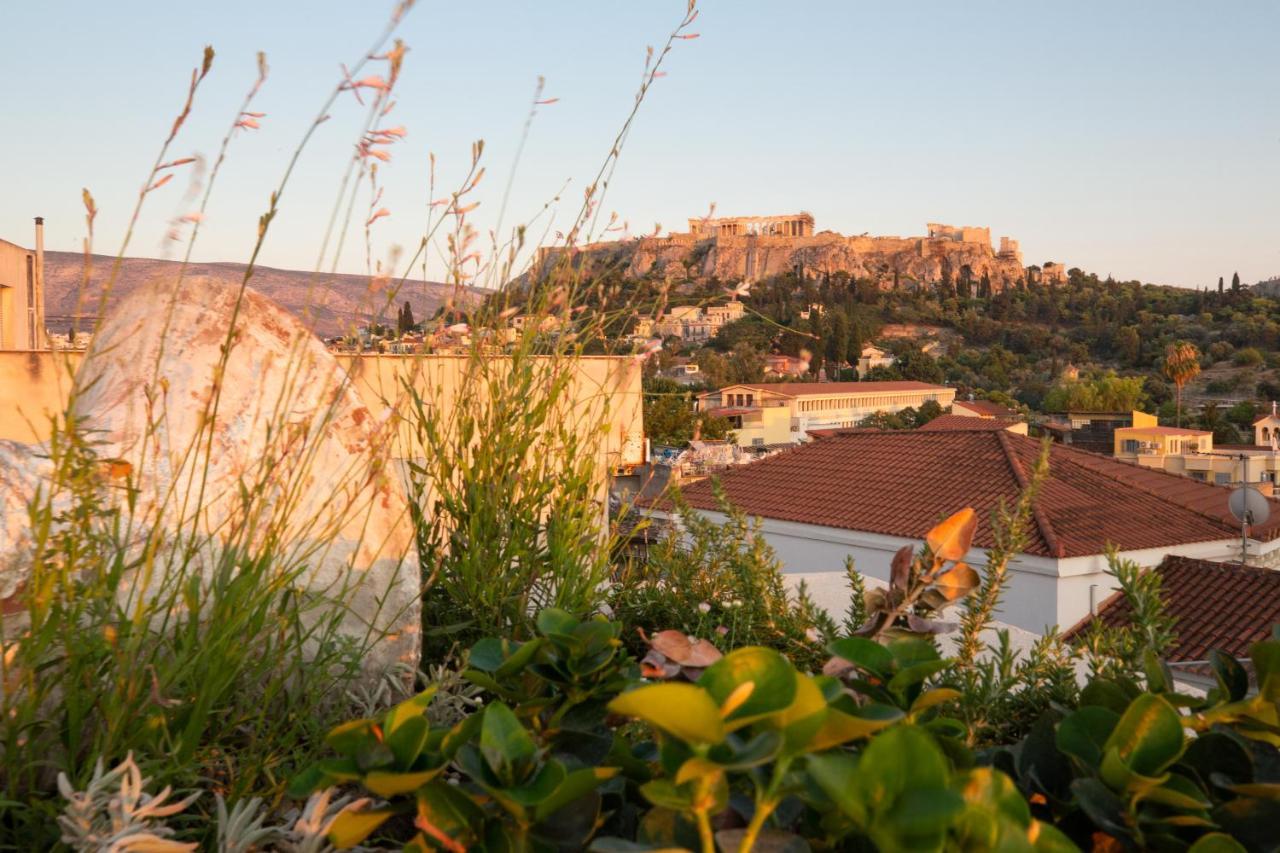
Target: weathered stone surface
point(22, 470)
point(291, 455)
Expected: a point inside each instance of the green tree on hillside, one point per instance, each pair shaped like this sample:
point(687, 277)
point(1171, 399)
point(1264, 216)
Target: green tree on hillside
point(1105, 393)
point(1235, 281)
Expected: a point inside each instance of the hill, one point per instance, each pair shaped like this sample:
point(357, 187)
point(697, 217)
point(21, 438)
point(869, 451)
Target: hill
point(328, 304)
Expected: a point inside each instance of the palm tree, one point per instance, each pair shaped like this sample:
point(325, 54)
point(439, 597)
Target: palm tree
point(1181, 365)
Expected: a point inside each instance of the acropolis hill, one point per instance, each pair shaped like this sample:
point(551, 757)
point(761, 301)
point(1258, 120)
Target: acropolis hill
point(748, 248)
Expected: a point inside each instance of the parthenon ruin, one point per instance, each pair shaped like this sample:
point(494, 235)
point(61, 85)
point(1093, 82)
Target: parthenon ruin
point(791, 225)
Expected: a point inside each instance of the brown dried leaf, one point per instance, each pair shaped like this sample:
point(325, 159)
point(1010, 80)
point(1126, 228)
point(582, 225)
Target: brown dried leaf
point(674, 644)
point(950, 540)
point(957, 582)
point(702, 653)
point(900, 575)
point(836, 667)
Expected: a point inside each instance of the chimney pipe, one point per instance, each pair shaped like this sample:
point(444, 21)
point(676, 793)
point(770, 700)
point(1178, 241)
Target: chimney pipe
point(38, 340)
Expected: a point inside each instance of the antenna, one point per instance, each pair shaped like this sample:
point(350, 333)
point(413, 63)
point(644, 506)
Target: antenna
point(1248, 507)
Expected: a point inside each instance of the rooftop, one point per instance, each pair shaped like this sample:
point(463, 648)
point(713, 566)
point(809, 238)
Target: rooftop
point(1224, 606)
point(987, 407)
point(965, 423)
point(1165, 430)
point(797, 389)
point(902, 483)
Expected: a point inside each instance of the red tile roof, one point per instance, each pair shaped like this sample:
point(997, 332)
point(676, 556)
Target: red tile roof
point(902, 483)
point(965, 423)
point(793, 389)
point(1224, 606)
point(987, 407)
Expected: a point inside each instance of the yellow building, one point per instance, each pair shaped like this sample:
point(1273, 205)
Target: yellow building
point(1191, 453)
point(783, 413)
point(22, 294)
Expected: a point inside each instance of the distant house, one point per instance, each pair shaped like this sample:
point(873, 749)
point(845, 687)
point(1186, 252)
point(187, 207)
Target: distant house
point(1215, 606)
point(1093, 431)
point(965, 423)
point(785, 365)
point(784, 412)
point(693, 323)
point(866, 493)
point(983, 409)
point(22, 294)
point(683, 370)
point(873, 357)
point(1191, 453)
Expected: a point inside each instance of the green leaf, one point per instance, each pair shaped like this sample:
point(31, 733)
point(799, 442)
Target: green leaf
point(407, 741)
point(410, 709)
point(837, 775)
point(577, 784)
point(1232, 677)
point(352, 827)
point(1148, 737)
point(349, 738)
point(668, 795)
point(1251, 822)
point(518, 658)
point(1216, 842)
point(387, 785)
point(506, 745)
point(936, 696)
point(553, 620)
point(449, 810)
point(488, 654)
point(925, 810)
point(308, 781)
point(910, 676)
point(1104, 808)
point(1266, 664)
point(774, 681)
point(1106, 694)
point(1179, 792)
point(901, 758)
point(683, 710)
point(839, 728)
point(867, 655)
point(538, 789)
point(911, 651)
point(1083, 733)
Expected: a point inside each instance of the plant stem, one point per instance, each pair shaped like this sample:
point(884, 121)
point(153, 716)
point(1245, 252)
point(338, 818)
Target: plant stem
point(764, 808)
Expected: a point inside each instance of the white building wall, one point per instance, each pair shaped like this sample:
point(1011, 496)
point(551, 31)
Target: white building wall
point(1040, 592)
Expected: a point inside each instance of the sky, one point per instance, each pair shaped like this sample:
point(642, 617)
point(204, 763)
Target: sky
point(1139, 140)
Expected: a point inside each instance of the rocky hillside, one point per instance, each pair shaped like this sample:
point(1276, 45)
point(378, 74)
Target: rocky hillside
point(328, 304)
point(889, 261)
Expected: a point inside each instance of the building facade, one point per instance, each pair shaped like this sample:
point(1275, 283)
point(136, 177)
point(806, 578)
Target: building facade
point(22, 294)
point(1191, 452)
point(759, 412)
point(694, 323)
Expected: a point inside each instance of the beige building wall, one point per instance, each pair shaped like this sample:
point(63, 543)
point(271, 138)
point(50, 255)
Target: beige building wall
point(21, 308)
point(605, 395)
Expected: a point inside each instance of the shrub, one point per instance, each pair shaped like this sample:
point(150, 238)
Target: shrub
point(720, 581)
point(1247, 357)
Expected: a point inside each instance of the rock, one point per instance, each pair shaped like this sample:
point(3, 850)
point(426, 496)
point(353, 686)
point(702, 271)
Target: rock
point(22, 470)
point(292, 455)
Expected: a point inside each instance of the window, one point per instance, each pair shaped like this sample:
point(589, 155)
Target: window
point(757, 442)
point(1130, 445)
point(751, 399)
point(1221, 479)
point(1196, 475)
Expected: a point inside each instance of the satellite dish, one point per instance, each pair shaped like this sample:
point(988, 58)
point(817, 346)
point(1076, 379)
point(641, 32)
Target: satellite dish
point(1249, 506)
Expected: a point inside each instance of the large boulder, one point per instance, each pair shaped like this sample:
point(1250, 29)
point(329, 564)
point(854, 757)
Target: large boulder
point(267, 449)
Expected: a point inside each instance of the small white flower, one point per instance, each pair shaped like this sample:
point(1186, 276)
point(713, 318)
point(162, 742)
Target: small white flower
point(704, 608)
point(813, 635)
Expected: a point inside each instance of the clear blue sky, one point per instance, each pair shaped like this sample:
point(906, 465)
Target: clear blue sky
point(1139, 139)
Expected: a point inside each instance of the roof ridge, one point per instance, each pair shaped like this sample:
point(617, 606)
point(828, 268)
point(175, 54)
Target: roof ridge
point(1047, 532)
point(1136, 483)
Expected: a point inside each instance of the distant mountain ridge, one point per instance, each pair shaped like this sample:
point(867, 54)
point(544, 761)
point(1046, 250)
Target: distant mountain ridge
point(328, 304)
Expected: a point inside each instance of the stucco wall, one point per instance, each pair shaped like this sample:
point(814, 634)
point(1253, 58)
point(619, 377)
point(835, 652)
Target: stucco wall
point(34, 385)
point(1040, 592)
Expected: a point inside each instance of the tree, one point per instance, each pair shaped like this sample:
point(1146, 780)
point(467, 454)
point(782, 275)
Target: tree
point(1181, 365)
point(1105, 393)
point(915, 363)
point(1128, 344)
point(1219, 284)
point(404, 320)
point(1235, 281)
point(838, 336)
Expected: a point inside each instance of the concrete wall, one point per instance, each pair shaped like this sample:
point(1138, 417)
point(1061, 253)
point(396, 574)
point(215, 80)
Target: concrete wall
point(605, 390)
point(16, 282)
point(1040, 592)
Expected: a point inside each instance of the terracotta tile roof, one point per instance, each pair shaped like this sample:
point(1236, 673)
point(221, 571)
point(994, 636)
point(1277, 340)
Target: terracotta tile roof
point(1224, 606)
point(901, 483)
point(965, 423)
point(987, 407)
point(793, 389)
